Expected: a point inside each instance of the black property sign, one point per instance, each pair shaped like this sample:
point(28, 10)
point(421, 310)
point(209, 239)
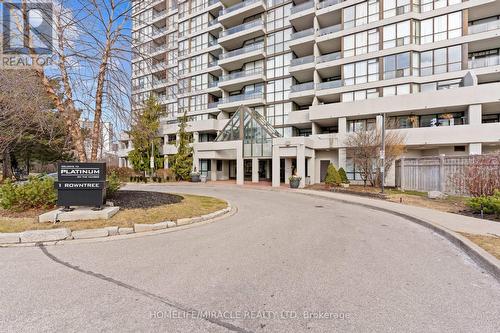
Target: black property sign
point(81, 184)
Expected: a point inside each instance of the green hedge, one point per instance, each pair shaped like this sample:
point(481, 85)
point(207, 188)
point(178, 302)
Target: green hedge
point(489, 204)
point(35, 193)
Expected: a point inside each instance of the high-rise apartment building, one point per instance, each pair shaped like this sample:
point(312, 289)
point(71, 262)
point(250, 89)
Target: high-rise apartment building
point(274, 86)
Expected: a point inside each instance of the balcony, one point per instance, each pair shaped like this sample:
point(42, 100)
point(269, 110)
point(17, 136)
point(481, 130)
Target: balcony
point(159, 32)
point(330, 57)
point(234, 37)
point(329, 30)
point(158, 84)
point(238, 80)
point(235, 14)
point(302, 93)
point(301, 42)
point(330, 85)
point(158, 50)
point(483, 27)
point(159, 15)
point(249, 99)
point(161, 66)
point(302, 68)
point(235, 59)
point(489, 61)
point(328, 3)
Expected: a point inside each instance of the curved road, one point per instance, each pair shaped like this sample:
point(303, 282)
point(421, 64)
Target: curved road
point(283, 263)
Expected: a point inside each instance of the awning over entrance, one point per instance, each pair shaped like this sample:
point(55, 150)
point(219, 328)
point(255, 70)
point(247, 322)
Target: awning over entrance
point(253, 129)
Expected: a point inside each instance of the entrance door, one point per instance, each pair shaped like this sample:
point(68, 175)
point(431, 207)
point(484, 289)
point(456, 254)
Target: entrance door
point(247, 167)
point(323, 166)
point(232, 169)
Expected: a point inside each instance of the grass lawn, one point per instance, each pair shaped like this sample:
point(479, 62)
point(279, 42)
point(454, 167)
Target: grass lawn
point(489, 243)
point(190, 206)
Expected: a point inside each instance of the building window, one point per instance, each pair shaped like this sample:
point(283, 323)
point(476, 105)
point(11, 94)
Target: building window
point(397, 34)
point(361, 43)
point(397, 65)
point(443, 119)
point(428, 5)
point(396, 7)
point(441, 60)
point(278, 90)
point(277, 18)
point(402, 89)
point(361, 72)
point(360, 95)
point(491, 118)
point(360, 14)
point(441, 28)
point(360, 125)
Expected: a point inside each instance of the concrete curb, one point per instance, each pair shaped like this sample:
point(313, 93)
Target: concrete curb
point(64, 235)
point(484, 259)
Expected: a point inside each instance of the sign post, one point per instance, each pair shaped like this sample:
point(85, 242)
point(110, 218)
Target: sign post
point(81, 184)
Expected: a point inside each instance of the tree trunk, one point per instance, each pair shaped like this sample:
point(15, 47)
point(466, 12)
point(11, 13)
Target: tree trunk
point(101, 76)
point(6, 165)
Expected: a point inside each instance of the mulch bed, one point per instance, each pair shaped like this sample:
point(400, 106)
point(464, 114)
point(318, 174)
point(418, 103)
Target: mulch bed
point(143, 199)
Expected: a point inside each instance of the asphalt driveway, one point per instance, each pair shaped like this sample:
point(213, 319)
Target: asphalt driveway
point(283, 263)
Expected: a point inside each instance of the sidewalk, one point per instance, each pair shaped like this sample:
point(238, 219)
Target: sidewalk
point(453, 222)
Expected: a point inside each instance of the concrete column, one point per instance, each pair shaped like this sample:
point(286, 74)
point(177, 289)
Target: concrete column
point(276, 166)
point(196, 136)
point(120, 162)
point(342, 125)
point(316, 129)
point(196, 161)
point(240, 177)
point(255, 170)
point(475, 114)
point(379, 122)
point(475, 149)
point(311, 167)
point(268, 169)
point(165, 162)
point(288, 169)
point(342, 158)
point(213, 170)
point(301, 164)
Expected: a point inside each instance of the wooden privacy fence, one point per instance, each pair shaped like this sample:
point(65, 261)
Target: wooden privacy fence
point(439, 173)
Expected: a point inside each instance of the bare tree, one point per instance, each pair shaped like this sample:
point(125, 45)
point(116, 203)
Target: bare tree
point(23, 107)
point(91, 52)
point(365, 146)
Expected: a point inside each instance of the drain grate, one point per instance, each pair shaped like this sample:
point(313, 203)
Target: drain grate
point(318, 206)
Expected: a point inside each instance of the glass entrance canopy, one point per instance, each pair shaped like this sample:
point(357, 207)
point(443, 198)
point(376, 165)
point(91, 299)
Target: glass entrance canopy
point(253, 129)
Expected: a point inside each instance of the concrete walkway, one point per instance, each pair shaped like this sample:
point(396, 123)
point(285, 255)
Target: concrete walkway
point(450, 221)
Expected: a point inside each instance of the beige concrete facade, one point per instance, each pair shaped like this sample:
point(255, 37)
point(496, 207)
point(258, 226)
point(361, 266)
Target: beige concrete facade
point(317, 71)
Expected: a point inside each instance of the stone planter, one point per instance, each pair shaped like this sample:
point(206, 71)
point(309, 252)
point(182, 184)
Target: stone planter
point(203, 178)
point(295, 182)
point(195, 177)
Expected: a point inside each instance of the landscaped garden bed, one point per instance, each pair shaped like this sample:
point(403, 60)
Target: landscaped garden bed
point(136, 207)
point(449, 204)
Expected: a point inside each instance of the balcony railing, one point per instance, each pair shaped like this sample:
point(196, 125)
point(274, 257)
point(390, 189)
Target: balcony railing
point(157, 49)
point(328, 3)
point(213, 84)
point(212, 105)
point(241, 27)
point(246, 49)
point(241, 74)
point(492, 60)
point(158, 15)
point(483, 27)
point(238, 6)
point(159, 32)
point(213, 63)
point(159, 66)
point(213, 22)
point(330, 57)
point(303, 33)
point(242, 97)
point(303, 6)
point(330, 30)
point(159, 83)
point(330, 85)
point(302, 87)
point(301, 61)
